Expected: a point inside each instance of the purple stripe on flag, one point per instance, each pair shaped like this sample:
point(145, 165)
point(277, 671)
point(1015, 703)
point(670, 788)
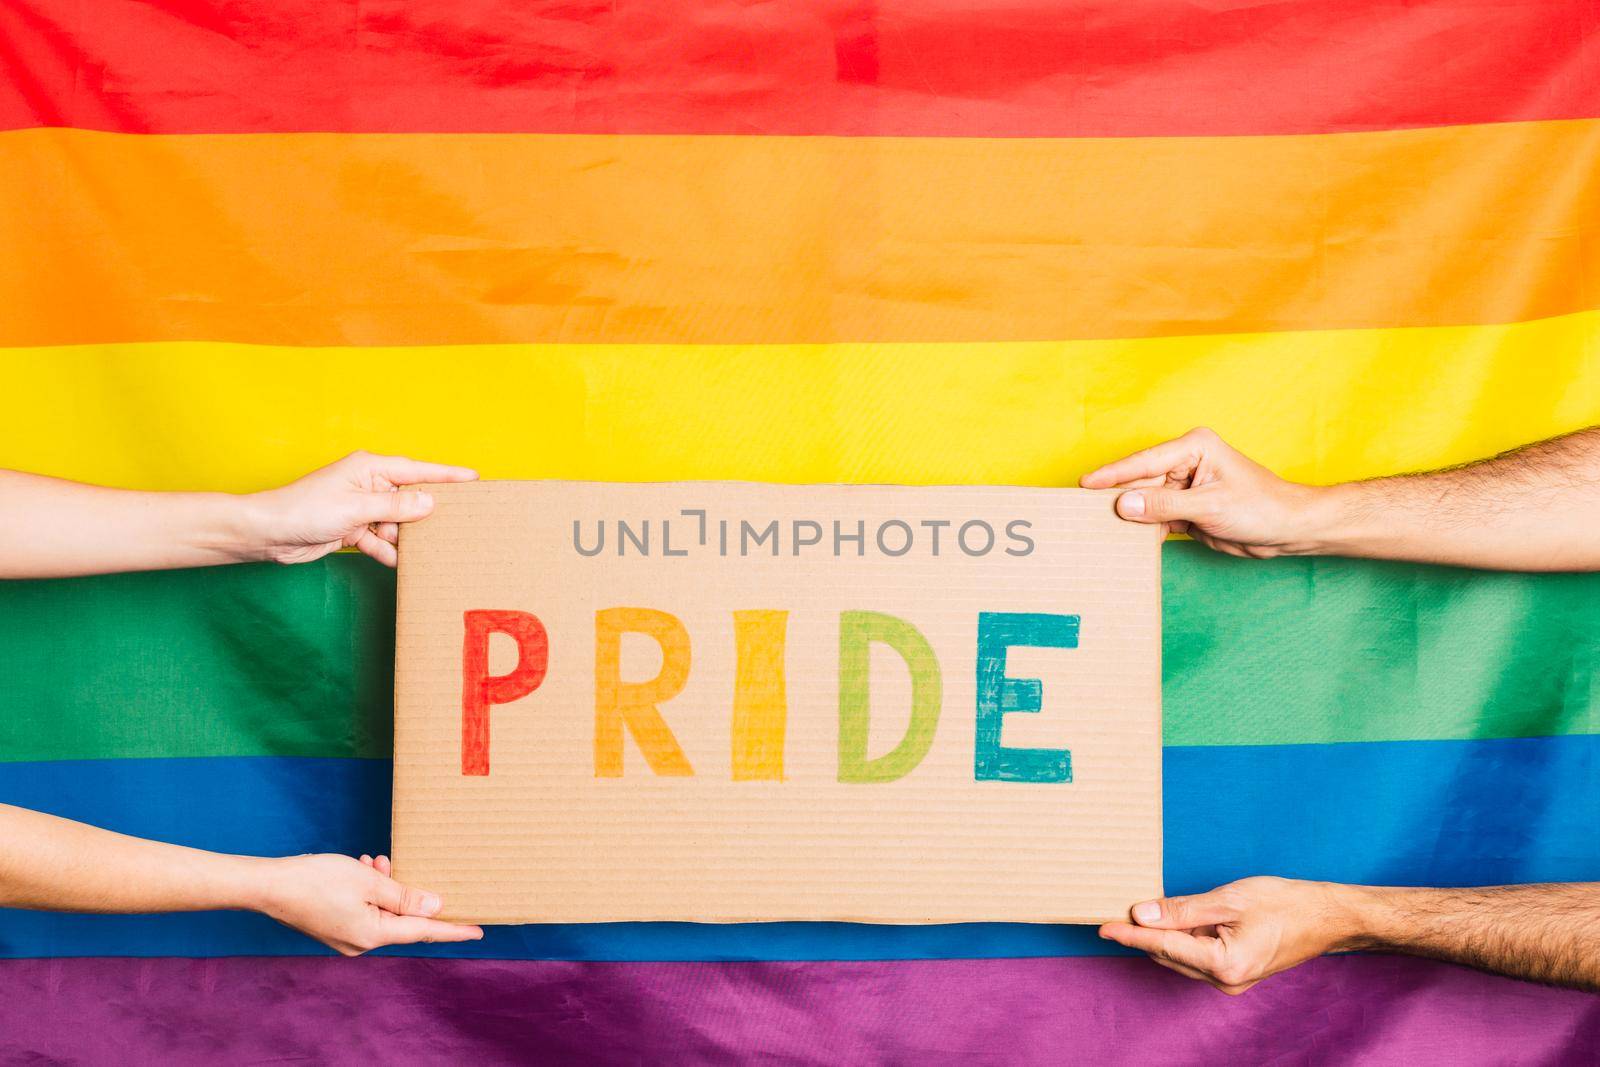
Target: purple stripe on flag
point(1353, 1009)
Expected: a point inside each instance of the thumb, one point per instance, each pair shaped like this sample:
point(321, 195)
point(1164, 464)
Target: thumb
point(1184, 913)
point(395, 507)
point(404, 900)
point(1163, 505)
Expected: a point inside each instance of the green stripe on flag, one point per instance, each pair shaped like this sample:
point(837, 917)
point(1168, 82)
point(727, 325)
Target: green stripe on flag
point(297, 661)
point(1308, 651)
point(228, 661)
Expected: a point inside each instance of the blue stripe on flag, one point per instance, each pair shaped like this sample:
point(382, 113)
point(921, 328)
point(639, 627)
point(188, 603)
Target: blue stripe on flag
point(1404, 813)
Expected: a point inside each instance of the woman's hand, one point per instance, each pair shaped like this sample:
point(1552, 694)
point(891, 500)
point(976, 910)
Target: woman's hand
point(54, 864)
point(353, 503)
point(353, 905)
point(60, 529)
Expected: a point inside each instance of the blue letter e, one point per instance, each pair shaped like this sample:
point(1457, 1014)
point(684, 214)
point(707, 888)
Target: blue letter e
point(999, 695)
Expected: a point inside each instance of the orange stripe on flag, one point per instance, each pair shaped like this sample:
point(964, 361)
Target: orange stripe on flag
point(306, 239)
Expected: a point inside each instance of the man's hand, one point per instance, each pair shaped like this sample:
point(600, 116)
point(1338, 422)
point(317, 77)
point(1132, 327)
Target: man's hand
point(353, 905)
point(1235, 936)
point(1534, 508)
point(354, 503)
point(1198, 485)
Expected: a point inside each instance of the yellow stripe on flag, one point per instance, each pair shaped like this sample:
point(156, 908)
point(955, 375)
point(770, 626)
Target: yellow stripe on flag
point(1319, 406)
point(388, 239)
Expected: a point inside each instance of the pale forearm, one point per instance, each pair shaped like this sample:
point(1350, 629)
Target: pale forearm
point(1533, 509)
point(348, 904)
point(51, 528)
point(56, 864)
point(1544, 933)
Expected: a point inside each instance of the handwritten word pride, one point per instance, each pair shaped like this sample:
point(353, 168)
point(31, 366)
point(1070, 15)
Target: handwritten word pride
point(760, 707)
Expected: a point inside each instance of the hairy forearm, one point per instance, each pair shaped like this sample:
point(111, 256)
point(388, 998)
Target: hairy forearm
point(1532, 509)
point(1544, 933)
point(51, 528)
point(56, 864)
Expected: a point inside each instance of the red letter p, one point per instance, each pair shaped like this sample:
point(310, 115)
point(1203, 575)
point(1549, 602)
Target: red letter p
point(479, 689)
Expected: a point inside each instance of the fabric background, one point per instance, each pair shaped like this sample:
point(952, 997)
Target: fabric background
point(949, 241)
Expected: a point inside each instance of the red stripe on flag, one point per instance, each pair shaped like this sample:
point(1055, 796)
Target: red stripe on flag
point(898, 67)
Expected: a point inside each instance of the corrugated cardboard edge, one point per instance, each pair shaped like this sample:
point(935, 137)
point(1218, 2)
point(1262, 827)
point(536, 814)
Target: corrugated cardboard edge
point(394, 692)
point(1161, 720)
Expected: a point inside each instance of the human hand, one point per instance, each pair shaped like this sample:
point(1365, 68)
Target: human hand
point(354, 502)
point(1199, 485)
point(1236, 935)
point(353, 905)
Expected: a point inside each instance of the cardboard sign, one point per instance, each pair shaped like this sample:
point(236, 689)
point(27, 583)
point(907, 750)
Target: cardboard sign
point(729, 702)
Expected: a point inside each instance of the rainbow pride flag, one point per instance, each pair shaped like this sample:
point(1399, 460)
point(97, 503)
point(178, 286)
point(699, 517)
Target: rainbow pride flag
point(919, 241)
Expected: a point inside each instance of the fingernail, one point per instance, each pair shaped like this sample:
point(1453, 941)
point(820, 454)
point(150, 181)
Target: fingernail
point(425, 500)
point(1131, 504)
point(431, 904)
point(1148, 912)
